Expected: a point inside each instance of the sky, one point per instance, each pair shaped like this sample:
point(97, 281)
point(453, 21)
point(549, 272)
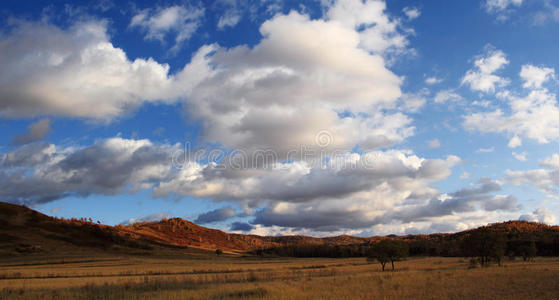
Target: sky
point(362, 117)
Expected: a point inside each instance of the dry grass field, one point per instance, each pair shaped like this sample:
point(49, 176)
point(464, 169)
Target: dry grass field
point(209, 277)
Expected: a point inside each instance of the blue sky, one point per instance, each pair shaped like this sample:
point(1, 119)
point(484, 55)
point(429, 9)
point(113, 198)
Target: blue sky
point(377, 117)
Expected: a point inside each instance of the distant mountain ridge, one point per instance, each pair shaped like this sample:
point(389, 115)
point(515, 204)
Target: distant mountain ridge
point(23, 231)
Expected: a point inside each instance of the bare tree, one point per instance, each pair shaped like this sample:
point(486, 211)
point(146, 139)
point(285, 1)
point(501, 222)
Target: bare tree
point(388, 250)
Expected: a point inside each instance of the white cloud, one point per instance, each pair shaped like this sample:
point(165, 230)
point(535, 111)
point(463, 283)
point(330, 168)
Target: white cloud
point(546, 178)
point(515, 141)
point(229, 19)
point(549, 13)
point(481, 103)
point(542, 215)
point(158, 23)
point(351, 191)
point(534, 76)
point(481, 77)
point(446, 95)
point(496, 6)
point(551, 162)
point(411, 12)
point(434, 143)
point(433, 80)
point(520, 156)
point(277, 95)
point(107, 167)
point(291, 86)
point(413, 102)
point(304, 180)
point(74, 72)
point(376, 181)
point(535, 116)
point(439, 208)
point(149, 218)
point(502, 8)
point(485, 150)
point(378, 32)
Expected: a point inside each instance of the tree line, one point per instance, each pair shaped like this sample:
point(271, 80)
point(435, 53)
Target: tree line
point(484, 245)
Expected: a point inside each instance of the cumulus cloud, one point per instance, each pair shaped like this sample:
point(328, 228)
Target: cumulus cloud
point(534, 76)
point(36, 131)
point(352, 183)
point(73, 72)
point(546, 178)
point(520, 156)
point(502, 9)
point(446, 95)
point(433, 80)
point(463, 200)
point(241, 226)
point(548, 13)
point(378, 32)
point(288, 87)
point(302, 181)
point(433, 209)
point(542, 215)
point(551, 162)
point(411, 12)
point(290, 90)
point(233, 11)
point(216, 215)
point(515, 141)
point(352, 191)
point(482, 77)
point(155, 217)
point(496, 6)
point(159, 23)
point(42, 172)
point(413, 102)
point(291, 86)
point(229, 19)
point(534, 116)
point(483, 103)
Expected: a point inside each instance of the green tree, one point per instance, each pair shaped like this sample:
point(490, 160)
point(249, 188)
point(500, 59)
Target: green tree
point(485, 245)
point(498, 247)
point(528, 250)
point(388, 250)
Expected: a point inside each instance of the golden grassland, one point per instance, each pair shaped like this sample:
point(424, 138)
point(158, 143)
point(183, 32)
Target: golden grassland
point(212, 277)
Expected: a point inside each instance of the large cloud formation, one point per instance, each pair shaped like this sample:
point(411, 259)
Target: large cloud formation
point(73, 72)
point(317, 93)
point(42, 172)
point(351, 191)
point(305, 76)
point(534, 114)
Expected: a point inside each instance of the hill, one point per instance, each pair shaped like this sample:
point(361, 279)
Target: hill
point(25, 231)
